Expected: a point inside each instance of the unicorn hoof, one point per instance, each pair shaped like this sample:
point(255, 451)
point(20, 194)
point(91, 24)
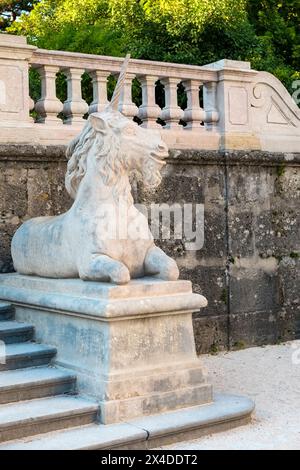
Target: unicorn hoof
point(171, 272)
point(120, 275)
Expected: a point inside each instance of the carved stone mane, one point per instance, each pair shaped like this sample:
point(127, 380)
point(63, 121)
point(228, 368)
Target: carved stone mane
point(106, 146)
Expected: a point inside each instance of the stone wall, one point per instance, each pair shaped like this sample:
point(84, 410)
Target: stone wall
point(250, 264)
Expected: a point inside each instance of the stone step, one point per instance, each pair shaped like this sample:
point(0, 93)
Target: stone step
point(39, 382)
point(150, 432)
point(14, 332)
point(21, 355)
point(7, 311)
point(28, 418)
point(90, 437)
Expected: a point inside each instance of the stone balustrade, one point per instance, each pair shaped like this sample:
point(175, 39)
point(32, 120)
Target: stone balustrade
point(228, 105)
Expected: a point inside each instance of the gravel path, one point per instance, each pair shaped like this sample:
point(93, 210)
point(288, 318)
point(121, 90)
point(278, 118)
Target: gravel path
point(271, 376)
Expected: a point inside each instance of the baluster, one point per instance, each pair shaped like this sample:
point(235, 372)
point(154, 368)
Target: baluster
point(126, 105)
point(48, 106)
point(31, 107)
point(194, 115)
point(171, 113)
point(100, 101)
point(210, 105)
point(149, 111)
point(74, 107)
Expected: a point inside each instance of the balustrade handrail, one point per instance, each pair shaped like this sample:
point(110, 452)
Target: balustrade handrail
point(66, 59)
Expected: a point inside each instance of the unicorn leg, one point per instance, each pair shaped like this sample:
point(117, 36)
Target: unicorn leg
point(104, 268)
point(158, 264)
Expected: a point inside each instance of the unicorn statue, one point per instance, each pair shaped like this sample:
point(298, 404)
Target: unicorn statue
point(91, 240)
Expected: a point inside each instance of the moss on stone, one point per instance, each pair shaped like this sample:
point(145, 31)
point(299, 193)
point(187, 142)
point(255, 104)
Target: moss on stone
point(237, 345)
point(214, 349)
point(223, 297)
point(280, 170)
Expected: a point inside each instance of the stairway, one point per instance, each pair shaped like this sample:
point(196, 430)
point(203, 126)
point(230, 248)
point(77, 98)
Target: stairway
point(35, 397)
point(39, 408)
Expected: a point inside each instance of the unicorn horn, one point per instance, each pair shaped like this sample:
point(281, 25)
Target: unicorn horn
point(114, 102)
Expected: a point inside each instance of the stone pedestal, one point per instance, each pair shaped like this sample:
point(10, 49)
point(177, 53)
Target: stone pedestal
point(132, 346)
point(15, 54)
point(233, 93)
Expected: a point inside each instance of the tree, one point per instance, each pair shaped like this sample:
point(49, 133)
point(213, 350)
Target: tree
point(277, 24)
point(74, 25)
point(191, 31)
point(10, 10)
point(280, 23)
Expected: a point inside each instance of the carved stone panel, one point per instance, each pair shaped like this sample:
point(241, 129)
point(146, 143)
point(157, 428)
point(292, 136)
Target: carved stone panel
point(11, 90)
point(238, 105)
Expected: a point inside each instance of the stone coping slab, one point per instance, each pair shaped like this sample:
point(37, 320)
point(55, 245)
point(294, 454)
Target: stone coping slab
point(52, 153)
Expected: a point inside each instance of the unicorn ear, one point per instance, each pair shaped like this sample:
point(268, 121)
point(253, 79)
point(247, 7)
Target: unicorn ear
point(98, 123)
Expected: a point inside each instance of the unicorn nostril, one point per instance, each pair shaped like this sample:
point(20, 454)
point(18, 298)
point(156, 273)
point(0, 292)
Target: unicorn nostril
point(162, 148)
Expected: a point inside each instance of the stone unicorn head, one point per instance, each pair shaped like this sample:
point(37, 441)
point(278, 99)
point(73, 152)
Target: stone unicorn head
point(86, 241)
point(118, 144)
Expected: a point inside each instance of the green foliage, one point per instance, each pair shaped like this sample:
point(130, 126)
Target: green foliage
point(73, 25)
point(185, 31)
point(277, 25)
point(10, 10)
point(279, 22)
point(238, 345)
point(224, 296)
point(214, 349)
point(280, 170)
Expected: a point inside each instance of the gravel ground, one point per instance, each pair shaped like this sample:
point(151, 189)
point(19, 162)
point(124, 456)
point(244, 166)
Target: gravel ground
point(271, 377)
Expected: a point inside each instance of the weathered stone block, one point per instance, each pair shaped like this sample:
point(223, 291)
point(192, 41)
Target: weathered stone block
point(241, 236)
point(178, 185)
point(296, 327)
point(211, 333)
point(39, 193)
point(60, 199)
point(13, 191)
point(289, 275)
point(287, 183)
point(6, 264)
point(253, 290)
point(277, 231)
point(215, 245)
point(249, 185)
point(212, 280)
point(259, 328)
